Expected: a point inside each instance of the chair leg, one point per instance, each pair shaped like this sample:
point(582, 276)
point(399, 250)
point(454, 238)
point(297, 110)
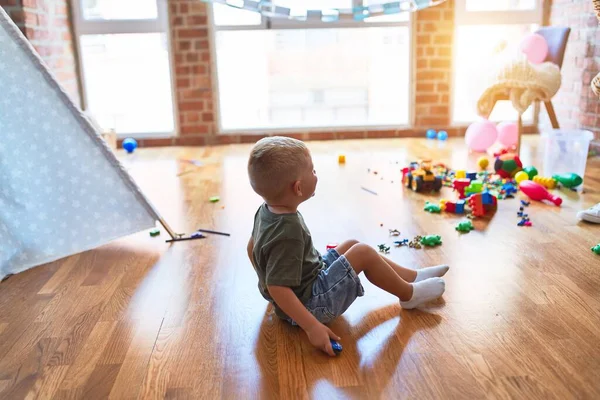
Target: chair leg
point(551, 114)
point(519, 133)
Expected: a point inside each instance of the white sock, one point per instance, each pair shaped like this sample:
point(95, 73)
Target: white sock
point(431, 272)
point(424, 291)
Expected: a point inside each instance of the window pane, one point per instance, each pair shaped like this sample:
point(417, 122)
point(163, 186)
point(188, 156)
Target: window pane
point(119, 9)
point(313, 77)
point(127, 80)
point(500, 5)
point(478, 52)
point(227, 15)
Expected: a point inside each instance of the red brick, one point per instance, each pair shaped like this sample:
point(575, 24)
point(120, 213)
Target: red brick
point(422, 63)
point(191, 106)
point(430, 75)
point(427, 121)
point(196, 20)
point(444, 51)
point(192, 33)
point(439, 63)
point(425, 87)
point(208, 117)
point(382, 134)
point(440, 110)
point(427, 98)
point(351, 135)
point(442, 39)
point(430, 14)
point(228, 139)
point(190, 141)
point(430, 51)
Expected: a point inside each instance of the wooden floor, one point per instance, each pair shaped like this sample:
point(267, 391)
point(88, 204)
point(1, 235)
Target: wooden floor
point(142, 319)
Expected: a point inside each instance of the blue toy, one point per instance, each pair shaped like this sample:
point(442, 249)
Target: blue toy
point(472, 176)
point(430, 134)
point(509, 189)
point(130, 145)
point(442, 135)
point(403, 242)
point(337, 348)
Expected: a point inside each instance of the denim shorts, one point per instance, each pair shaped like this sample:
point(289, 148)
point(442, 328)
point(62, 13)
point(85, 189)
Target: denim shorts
point(334, 290)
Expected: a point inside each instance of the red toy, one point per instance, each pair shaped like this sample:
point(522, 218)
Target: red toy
point(481, 203)
point(535, 191)
point(460, 185)
point(331, 246)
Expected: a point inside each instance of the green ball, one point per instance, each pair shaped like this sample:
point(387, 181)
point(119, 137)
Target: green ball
point(531, 171)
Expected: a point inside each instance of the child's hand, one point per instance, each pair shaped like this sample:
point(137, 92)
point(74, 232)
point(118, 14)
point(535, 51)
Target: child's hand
point(319, 336)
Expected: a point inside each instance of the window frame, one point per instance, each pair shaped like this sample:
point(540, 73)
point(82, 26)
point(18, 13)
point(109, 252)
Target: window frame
point(463, 17)
point(273, 23)
point(83, 27)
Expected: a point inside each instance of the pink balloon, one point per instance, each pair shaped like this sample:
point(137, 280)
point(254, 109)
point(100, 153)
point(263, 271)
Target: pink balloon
point(535, 48)
point(481, 135)
point(508, 133)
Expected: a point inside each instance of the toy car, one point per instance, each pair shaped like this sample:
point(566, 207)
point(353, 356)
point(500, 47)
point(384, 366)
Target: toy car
point(420, 178)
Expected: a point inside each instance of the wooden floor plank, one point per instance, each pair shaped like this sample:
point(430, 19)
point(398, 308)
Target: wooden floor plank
point(139, 318)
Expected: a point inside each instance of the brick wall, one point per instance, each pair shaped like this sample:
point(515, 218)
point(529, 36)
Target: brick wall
point(576, 105)
point(46, 23)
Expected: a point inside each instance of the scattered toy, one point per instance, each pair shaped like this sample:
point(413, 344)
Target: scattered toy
point(214, 199)
point(431, 240)
point(155, 232)
point(430, 134)
point(416, 242)
point(383, 248)
point(548, 183)
point(507, 165)
point(531, 172)
point(596, 249)
point(568, 180)
point(196, 235)
point(129, 144)
point(394, 232)
point(331, 246)
point(483, 162)
point(341, 159)
point(368, 190)
point(420, 177)
point(482, 203)
point(465, 227)
point(403, 242)
point(525, 203)
point(537, 192)
point(521, 176)
point(432, 207)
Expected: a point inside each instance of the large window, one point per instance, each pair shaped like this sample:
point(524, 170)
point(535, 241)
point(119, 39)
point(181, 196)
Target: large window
point(125, 65)
point(276, 73)
point(484, 30)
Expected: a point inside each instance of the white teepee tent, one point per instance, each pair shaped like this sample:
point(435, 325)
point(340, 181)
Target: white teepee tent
point(62, 191)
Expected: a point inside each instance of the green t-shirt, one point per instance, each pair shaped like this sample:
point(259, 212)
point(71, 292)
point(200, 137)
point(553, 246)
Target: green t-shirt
point(284, 254)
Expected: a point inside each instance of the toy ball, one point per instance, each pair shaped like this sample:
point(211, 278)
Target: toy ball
point(507, 165)
point(535, 48)
point(521, 176)
point(508, 133)
point(430, 134)
point(483, 162)
point(130, 145)
point(481, 135)
point(442, 135)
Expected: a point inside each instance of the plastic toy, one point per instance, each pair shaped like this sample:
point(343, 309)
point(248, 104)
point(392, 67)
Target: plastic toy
point(465, 227)
point(337, 348)
point(537, 192)
point(341, 159)
point(524, 222)
point(394, 232)
point(403, 242)
point(130, 144)
point(483, 162)
point(474, 187)
point(521, 176)
point(214, 199)
point(431, 240)
point(331, 246)
point(596, 249)
point(531, 171)
point(432, 207)
point(548, 183)
point(430, 134)
point(442, 135)
point(509, 189)
point(471, 176)
point(456, 207)
point(482, 203)
point(507, 165)
point(420, 177)
point(568, 180)
point(383, 248)
point(368, 190)
point(525, 203)
point(416, 242)
point(460, 185)
point(197, 235)
point(460, 174)
point(155, 232)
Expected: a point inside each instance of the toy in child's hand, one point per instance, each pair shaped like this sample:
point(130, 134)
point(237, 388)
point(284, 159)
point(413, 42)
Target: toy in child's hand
point(537, 192)
point(568, 180)
point(337, 348)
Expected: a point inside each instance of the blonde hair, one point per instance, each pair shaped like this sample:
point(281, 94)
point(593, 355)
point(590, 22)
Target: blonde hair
point(274, 163)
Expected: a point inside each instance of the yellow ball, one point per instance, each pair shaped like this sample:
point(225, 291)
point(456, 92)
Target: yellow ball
point(521, 176)
point(483, 162)
point(342, 158)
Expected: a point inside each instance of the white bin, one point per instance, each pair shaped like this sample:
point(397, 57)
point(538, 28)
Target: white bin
point(566, 151)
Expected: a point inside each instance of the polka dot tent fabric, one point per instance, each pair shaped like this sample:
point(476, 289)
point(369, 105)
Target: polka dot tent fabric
point(62, 191)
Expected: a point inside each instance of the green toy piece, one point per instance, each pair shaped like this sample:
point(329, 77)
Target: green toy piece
point(465, 227)
point(431, 240)
point(596, 249)
point(155, 232)
point(474, 187)
point(531, 172)
point(568, 180)
point(432, 207)
point(214, 199)
point(383, 248)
